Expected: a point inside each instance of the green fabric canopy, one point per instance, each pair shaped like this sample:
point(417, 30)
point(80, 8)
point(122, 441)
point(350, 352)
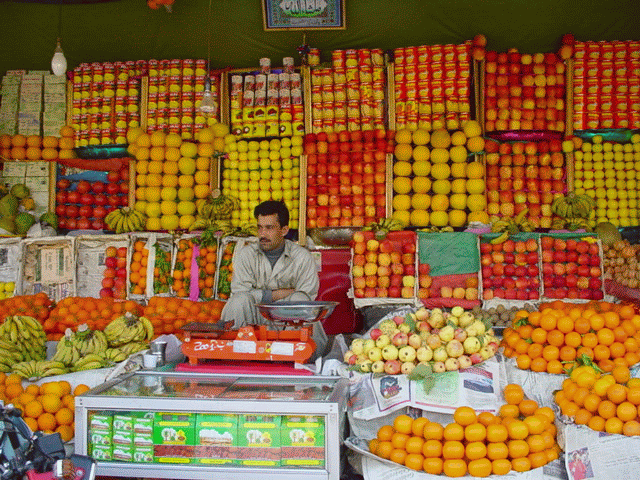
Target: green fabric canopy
point(129, 30)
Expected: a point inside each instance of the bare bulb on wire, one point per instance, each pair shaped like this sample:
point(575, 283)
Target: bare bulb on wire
point(58, 62)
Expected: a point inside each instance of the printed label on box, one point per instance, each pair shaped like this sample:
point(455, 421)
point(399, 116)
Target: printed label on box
point(100, 437)
point(14, 169)
point(122, 437)
point(302, 440)
point(259, 440)
point(123, 422)
point(123, 453)
point(102, 452)
point(174, 437)
point(143, 454)
point(37, 169)
point(216, 436)
point(100, 421)
point(37, 184)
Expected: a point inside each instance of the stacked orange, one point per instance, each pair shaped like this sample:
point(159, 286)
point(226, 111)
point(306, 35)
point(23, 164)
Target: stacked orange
point(48, 407)
point(169, 315)
point(552, 339)
point(96, 313)
point(207, 260)
point(521, 437)
point(36, 306)
point(33, 147)
point(138, 268)
point(606, 403)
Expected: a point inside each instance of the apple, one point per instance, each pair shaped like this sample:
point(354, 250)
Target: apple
point(407, 354)
point(392, 367)
point(451, 364)
point(415, 340)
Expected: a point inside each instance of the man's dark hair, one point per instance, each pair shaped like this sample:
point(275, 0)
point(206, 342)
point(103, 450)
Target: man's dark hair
point(271, 207)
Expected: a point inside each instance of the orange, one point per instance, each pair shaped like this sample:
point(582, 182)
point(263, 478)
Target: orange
point(528, 407)
point(402, 424)
point(13, 378)
point(500, 466)
point(399, 440)
point(569, 408)
point(621, 374)
point(475, 450)
point(433, 431)
point(496, 450)
point(626, 411)
point(453, 449)
point(535, 424)
point(617, 393)
point(398, 455)
point(631, 428)
point(591, 402)
point(497, 433)
point(47, 421)
point(64, 416)
point(476, 432)
point(417, 426)
point(81, 388)
point(13, 390)
point(518, 448)
point(480, 467)
point(454, 468)
point(513, 394)
point(522, 464)
point(606, 409)
point(579, 396)
point(433, 466)
point(373, 445)
point(546, 412)
point(66, 432)
point(50, 403)
point(414, 461)
point(384, 449)
point(518, 430)
point(613, 425)
point(385, 433)
point(432, 448)
point(509, 411)
point(596, 423)
point(582, 417)
point(33, 409)
point(32, 423)
point(537, 459)
point(464, 416)
point(453, 431)
point(487, 418)
point(414, 444)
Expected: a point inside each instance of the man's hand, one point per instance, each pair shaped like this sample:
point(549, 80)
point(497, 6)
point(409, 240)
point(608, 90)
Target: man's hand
point(281, 293)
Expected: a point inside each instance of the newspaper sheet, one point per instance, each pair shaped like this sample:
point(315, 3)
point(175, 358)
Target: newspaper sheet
point(590, 454)
point(376, 468)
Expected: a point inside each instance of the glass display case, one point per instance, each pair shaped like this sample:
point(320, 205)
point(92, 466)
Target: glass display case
point(192, 425)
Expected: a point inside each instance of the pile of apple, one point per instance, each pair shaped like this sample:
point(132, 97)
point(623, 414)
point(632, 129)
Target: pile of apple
point(346, 177)
point(571, 268)
point(114, 281)
point(448, 341)
point(524, 91)
point(381, 269)
point(524, 175)
point(83, 205)
point(510, 270)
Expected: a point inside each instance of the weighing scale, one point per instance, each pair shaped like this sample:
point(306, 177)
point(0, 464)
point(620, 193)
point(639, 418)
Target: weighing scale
point(286, 336)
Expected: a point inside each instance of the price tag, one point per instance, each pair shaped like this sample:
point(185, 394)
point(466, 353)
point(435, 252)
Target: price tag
point(282, 348)
point(244, 346)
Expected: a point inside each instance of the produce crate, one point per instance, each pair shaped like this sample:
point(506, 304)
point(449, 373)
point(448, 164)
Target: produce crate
point(226, 253)
point(94, 277)
point(48, 265)
point(196, 272)
point(11, 252)
point(152, 286)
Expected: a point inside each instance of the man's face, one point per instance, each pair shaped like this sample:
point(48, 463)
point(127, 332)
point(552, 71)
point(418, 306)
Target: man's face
point(270, 233)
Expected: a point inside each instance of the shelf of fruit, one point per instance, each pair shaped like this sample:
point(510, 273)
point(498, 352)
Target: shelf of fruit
point(445, 341)
point(346, 177)
point(437, 179)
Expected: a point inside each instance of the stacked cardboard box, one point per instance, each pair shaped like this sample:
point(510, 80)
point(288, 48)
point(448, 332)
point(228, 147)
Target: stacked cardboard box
point(10, 99)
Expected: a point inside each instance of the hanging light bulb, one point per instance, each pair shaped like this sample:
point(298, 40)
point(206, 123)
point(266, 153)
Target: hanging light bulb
point(59, 62)
point(208, 106)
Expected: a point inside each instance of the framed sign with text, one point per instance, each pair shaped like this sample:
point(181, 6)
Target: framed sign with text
point(303, 15)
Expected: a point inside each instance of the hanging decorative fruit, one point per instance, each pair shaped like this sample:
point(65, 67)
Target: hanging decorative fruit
point(156, 4)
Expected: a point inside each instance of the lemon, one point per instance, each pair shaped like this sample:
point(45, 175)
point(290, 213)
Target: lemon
point(421, 184)
point(187, 166)
point(185, 194)
point(440, 139)
point(140, 206)
point(285, 152)
point(421, 153)
point(421, 168)
point(276, 174)
point(404, 136)
point(153, 194)
point(419, 218)
point(173, 140)
point(475, 170)
point(476, 202)
point(155, 167)
point(157, 138)
point(403, 152)
point(475, 185)
point(401, 202)
point(169, 222)
point(153, 209)
point(170, 167)
point(168, 193)
point(420, 201)
point(133, 134)
point(402, 169)
point(459, 170)
point(401, 185)
point(168, 207)
point(264, 195)
point(143, 140)
point(243, 146)
point(170, 181)
point(186, 221)
point(296, 140)
point(458, 154)
point(257, 175)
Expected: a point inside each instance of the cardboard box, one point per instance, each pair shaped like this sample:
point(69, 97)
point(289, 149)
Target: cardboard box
point(102, 452)
point(14, 169)
point(122, 437)
point(100, 437)
point(302, 440)
point(143, 454)
point(174, 437)
point(100, 421)
point(37, 169)
point(216, 438)
point(122, 453)
point(123, 422)
point(37, 184)
point(259, 440)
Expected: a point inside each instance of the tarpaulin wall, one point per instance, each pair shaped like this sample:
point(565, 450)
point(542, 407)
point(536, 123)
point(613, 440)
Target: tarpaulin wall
point(129, 30)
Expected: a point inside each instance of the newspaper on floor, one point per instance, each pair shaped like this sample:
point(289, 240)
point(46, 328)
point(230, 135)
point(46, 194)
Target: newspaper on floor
point(376, 468)
point(378, 395)
point(592, 454)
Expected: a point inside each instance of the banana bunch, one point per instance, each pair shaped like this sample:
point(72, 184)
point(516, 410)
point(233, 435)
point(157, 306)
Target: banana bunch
point(510, 226)
point(87, 340)
point(128, 328)
point(133, 347)
point(573, 206)
point(217, 206)
point(35, 369)
point(126, 220)
point(115, 355)
point(26, 336)
point(384, 226)
point(66, 351)
point(91, 361)
point(9, 355)
point(202, 223)
point(433, 229)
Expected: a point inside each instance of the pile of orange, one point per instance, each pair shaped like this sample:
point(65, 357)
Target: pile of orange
point(606, 403)
point(170, 314)
point(36, 306)
point(48, 407)
point(521, 437)
point(32, 147)
point(96, 313)
point(162, 271)
point(552, 339)
point(138, 268)
point(226, 271)
point(207, 261)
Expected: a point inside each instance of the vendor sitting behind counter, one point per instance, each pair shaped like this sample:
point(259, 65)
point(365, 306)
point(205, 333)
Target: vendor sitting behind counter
point(272, 270)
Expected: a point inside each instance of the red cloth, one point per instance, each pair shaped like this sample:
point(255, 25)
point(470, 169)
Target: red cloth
point(618, 290)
